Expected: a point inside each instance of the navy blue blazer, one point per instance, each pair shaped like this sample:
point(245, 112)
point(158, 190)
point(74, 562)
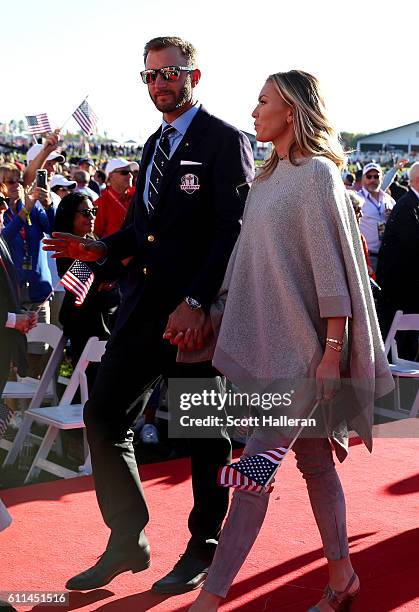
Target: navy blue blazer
point(184, 248)
point(399, 255)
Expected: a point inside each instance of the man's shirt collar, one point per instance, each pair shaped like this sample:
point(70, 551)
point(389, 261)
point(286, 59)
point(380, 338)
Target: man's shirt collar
point(381, 196)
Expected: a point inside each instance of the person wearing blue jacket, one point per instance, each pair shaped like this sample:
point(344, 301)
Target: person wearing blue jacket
point(25, 225)
point(28, 219)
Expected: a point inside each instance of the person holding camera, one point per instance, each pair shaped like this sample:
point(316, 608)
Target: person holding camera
point(42, 166)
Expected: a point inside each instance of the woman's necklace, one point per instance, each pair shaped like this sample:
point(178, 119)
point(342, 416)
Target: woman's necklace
point(283, 157)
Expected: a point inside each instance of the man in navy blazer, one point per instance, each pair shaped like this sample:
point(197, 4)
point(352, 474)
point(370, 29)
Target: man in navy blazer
point(181, 239)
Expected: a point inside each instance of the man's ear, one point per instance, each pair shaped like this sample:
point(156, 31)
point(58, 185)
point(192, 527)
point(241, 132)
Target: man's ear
point(195, 77)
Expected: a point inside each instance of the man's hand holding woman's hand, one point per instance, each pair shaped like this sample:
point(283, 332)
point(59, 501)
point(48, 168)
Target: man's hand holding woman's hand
point(188, 329)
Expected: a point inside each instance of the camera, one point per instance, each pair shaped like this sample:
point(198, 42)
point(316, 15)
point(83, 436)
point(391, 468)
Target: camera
point(41, 179)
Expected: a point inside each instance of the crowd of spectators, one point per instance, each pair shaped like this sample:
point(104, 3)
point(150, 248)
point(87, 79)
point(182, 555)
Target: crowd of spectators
point(90, 196)
point(387, 206)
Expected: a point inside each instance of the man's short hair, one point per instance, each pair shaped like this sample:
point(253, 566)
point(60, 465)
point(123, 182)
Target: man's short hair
point(101, 174)
point(164, 42)
point(81, 176)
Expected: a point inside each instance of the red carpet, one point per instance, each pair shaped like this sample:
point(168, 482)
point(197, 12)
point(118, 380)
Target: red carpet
point(57, 531)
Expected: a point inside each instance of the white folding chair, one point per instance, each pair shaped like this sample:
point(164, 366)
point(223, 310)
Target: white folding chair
point(402, 368)
point(44, 389)
point(62, 417)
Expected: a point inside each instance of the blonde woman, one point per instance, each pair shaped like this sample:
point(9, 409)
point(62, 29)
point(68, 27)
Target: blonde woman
point(299, 308)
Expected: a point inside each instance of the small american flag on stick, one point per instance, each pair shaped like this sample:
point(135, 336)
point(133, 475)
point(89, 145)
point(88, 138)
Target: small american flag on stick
point(86, 117)
point(78, 279)
point(38, 124)
point(252, 473)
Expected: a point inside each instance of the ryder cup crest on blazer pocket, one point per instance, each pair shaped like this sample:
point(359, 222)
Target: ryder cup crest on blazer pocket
point(189, 183)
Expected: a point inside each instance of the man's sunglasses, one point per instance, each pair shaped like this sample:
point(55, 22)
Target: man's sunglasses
point(4, 201)
point(372, 176)
point(168, 73)
point(87, 212)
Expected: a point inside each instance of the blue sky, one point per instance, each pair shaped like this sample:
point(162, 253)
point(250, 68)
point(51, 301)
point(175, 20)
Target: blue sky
point(364, 54)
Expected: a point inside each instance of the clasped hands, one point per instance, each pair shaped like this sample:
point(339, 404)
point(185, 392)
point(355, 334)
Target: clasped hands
point(188, 329)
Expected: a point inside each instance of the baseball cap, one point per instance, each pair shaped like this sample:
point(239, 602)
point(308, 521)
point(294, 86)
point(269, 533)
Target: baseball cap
point(58, 180)
point(371, 166)
point(118, 163)
point(87, 160)
point(35, 150)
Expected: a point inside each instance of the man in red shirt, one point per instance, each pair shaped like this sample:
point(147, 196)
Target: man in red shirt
point(114, 201)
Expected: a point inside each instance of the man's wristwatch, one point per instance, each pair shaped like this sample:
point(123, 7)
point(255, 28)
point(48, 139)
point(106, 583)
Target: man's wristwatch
point(192, 303)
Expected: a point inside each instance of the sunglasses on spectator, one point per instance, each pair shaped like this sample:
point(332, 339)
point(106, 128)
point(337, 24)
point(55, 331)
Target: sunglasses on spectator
point(123, 172)
point(372, 176)
point(88, 212)
point(4, 201)
point(168, 73)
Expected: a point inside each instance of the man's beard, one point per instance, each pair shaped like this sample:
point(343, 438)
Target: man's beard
point(170, 105)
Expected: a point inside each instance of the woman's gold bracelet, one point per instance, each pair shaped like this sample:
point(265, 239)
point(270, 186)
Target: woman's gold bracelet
point(335, 347)
point(335, 341)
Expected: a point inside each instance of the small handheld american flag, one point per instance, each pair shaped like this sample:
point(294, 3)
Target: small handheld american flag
point(38, 124)
point(252, 473)
point(86, 117)
point(6, 414)
point(78, 279)
point(256, 472)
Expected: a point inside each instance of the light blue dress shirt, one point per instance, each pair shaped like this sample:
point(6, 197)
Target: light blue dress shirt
point(180, 124)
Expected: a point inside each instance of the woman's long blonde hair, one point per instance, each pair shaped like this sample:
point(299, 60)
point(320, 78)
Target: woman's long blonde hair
point(314, 133)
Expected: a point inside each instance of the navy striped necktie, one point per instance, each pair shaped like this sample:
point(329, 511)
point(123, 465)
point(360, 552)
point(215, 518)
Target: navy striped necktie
point(161, 157)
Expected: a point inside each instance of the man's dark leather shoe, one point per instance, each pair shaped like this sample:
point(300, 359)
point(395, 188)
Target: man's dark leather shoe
point(110, 564)
point(188, 574)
